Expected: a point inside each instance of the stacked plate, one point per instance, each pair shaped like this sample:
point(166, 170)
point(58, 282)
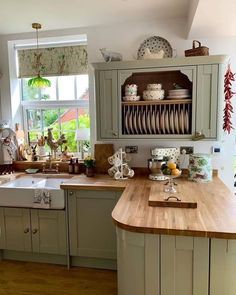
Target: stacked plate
point(157, 120)
point(178, 93)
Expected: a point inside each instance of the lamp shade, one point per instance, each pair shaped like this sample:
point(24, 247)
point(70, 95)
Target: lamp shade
point(82, 134)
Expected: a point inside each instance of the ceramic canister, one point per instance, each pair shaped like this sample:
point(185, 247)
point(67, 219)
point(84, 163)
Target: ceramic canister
point(131, 89)
point(200, 168)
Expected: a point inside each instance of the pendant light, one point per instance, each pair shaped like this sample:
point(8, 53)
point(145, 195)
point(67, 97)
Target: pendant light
point(38, 81)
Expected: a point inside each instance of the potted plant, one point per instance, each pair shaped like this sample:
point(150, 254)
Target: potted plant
point(89, 163)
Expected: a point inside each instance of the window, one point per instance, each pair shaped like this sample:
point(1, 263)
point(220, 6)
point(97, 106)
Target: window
point(64, 107)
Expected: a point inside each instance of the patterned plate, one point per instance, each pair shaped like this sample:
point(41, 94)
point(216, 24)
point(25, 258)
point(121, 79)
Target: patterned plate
point(155, 44)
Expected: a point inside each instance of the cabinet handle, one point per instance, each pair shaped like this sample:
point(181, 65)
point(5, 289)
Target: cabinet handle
point(198, 136)
point(26, 230)
point(34, 231)
point(114, 133)
point(71, 193)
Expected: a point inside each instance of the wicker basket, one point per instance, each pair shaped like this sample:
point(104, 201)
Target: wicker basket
point(197, 51)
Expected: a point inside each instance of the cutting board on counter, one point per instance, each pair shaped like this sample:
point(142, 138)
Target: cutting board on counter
point(101, 153)
point(181, 199)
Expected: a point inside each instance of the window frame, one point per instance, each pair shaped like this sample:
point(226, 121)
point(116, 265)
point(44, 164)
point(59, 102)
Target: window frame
point(51, 104)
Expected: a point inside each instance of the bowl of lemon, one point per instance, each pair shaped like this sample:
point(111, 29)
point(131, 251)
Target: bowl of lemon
point(171, 169)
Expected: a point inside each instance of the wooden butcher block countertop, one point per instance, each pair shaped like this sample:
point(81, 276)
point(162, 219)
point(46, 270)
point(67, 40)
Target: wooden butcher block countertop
point(215, 215)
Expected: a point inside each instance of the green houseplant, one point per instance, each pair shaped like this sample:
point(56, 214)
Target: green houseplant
point(89, 163)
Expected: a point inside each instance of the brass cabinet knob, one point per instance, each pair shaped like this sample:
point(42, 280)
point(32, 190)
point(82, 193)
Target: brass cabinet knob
point(34, 231)
point(114, 133)
point(26, 230)
point(71, 193)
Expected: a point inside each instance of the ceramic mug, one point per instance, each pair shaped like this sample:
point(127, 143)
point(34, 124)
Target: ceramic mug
point(112, 171)
point(131, 89)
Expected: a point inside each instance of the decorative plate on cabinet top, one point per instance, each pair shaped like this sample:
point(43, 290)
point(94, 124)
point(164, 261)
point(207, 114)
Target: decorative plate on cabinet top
point(155, 44)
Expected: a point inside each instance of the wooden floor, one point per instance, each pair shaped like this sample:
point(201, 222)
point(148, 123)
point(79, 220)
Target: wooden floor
point(26, 278)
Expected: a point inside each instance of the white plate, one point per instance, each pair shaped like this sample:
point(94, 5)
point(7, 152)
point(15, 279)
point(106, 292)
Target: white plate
point(135, 122)
point(144, 123)
point(127, 122)
point(177, 96)
point(181, 121)
point(153, 123)
point(139, 123)
point(172, 125)
point(131, 123)
point(176, 122)
point(155, 44)
point(148, 119)
point(163, 122)
point(167, 127)
point(186, 122)
point(158, 123)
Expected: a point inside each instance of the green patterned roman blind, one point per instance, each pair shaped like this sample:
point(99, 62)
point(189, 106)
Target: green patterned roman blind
point(53, 61)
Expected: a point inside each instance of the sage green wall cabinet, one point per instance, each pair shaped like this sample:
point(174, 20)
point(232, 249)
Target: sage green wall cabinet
point(33, 230)
point(91, 230)
point(188, 117)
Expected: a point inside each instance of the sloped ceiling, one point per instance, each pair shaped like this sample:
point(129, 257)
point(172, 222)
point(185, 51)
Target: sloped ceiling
point(204, 18)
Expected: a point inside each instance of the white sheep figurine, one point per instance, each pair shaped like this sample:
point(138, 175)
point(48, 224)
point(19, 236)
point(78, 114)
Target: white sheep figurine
point(110, 56)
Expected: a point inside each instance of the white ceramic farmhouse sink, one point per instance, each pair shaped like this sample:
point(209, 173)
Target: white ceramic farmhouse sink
point(20, 192)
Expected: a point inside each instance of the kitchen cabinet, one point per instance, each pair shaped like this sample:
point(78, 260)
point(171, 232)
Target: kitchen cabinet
point(91, 230)
point(184, 265)
point(223, 267)
point(150, 264)
point(182, 118)
point(33, 230)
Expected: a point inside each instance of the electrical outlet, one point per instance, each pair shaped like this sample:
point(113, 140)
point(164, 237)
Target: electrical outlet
point(131, 149)
point(188, 149)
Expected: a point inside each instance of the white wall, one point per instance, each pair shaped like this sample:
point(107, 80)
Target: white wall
point(126, 38)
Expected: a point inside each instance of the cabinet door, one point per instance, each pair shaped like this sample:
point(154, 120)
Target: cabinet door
point(107, 116)
point(2, 229)
point(223, 267)
point(92, 232)
point(207, 100)
point(17, 229)
point(184, 265)
point(48, 231)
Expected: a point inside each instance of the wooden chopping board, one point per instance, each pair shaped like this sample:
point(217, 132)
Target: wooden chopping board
point(101, 153)
point(181, 199)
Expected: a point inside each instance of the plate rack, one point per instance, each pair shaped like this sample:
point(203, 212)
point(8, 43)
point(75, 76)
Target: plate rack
point(157, 117)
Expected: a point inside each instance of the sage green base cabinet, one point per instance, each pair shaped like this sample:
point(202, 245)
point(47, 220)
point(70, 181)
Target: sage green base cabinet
point(223, 267)
point(33, 230)
point(202, 112)
point(91, 230)
point(150, 264)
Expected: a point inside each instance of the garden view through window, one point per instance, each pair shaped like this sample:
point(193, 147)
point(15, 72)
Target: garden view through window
point(64, 107)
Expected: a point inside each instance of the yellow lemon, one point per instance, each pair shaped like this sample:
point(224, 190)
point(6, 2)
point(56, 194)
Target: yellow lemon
point(175, 172)
point(171, 165)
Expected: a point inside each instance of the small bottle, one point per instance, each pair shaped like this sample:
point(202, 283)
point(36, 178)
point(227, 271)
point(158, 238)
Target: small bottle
point(76, 166)
point(71, 166)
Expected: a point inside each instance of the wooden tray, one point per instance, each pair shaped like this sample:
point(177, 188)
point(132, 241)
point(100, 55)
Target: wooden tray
point(181, 199)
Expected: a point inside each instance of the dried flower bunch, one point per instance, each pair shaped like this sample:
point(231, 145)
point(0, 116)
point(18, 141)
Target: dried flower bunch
point(228, 110)
point(89, 162)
